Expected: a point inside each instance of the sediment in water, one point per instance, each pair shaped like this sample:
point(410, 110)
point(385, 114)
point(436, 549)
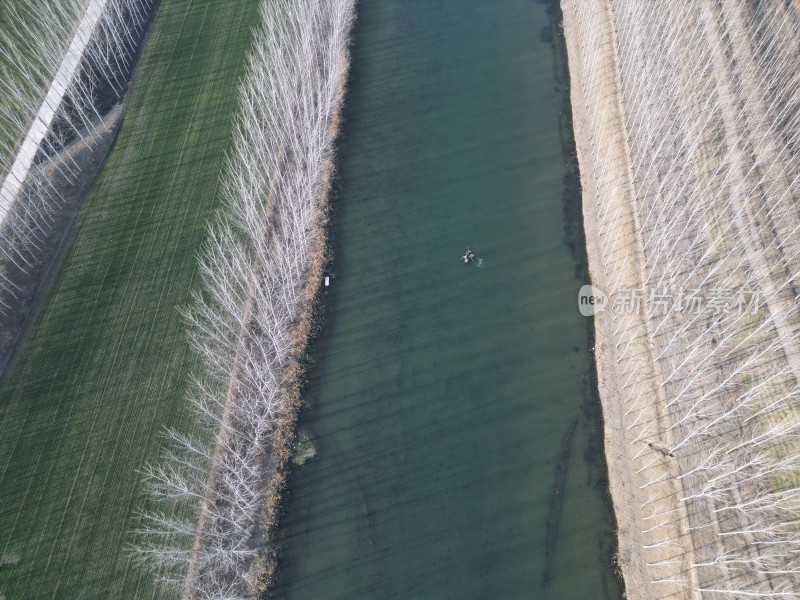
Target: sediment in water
point(556, 501)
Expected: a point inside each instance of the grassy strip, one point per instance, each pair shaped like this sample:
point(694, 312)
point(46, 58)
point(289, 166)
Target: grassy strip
point(104, 365)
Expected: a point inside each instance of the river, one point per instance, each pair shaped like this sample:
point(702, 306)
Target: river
point(453, 407)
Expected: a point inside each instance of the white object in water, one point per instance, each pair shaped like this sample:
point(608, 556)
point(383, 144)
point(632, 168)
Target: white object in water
point(327, 281)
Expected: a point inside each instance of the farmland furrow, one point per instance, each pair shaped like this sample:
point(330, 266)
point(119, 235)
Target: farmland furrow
point(103, 365)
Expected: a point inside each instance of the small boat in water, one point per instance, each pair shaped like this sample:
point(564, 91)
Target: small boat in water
point(468, 257)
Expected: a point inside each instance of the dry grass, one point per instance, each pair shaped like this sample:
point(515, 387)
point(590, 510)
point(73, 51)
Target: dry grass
point(689, 183)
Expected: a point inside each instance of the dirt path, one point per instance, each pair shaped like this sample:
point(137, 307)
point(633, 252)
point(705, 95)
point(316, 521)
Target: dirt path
point(739, 136)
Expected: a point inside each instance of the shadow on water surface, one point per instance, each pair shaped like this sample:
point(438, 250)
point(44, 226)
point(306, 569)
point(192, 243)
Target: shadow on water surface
point(454, 408)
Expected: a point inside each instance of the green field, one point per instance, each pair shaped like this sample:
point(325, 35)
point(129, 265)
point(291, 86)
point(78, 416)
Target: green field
point(103, 365)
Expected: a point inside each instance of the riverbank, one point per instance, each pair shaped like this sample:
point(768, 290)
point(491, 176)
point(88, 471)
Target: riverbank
point(677, 145)
point(622, 480)
point(261, 271)
point(278, 450)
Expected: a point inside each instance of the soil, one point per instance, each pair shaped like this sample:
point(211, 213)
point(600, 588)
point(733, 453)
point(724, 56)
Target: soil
point(621, 452)
point(668, 546)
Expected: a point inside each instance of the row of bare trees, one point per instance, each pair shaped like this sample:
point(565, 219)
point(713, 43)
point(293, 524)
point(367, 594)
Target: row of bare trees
point(212, 495)
point(60, 61)
point(704, 98)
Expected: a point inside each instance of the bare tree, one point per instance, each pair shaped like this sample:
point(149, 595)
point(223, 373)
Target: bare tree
point(56, 57)
point(697, 198)
point(249, 324)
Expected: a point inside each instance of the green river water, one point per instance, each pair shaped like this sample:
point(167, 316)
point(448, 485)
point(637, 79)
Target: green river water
point(442, 397)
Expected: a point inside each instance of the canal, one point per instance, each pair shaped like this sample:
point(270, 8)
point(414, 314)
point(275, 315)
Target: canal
point(452, 406)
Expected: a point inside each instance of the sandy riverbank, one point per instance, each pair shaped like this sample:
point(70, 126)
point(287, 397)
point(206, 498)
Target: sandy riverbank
point(619, 453)
point(679, 146)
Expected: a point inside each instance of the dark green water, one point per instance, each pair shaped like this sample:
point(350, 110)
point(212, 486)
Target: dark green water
point(440, 394)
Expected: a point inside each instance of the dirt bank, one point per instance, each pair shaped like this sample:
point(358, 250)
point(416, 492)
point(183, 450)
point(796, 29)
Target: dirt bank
point(689, 168)
point(608, 135)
